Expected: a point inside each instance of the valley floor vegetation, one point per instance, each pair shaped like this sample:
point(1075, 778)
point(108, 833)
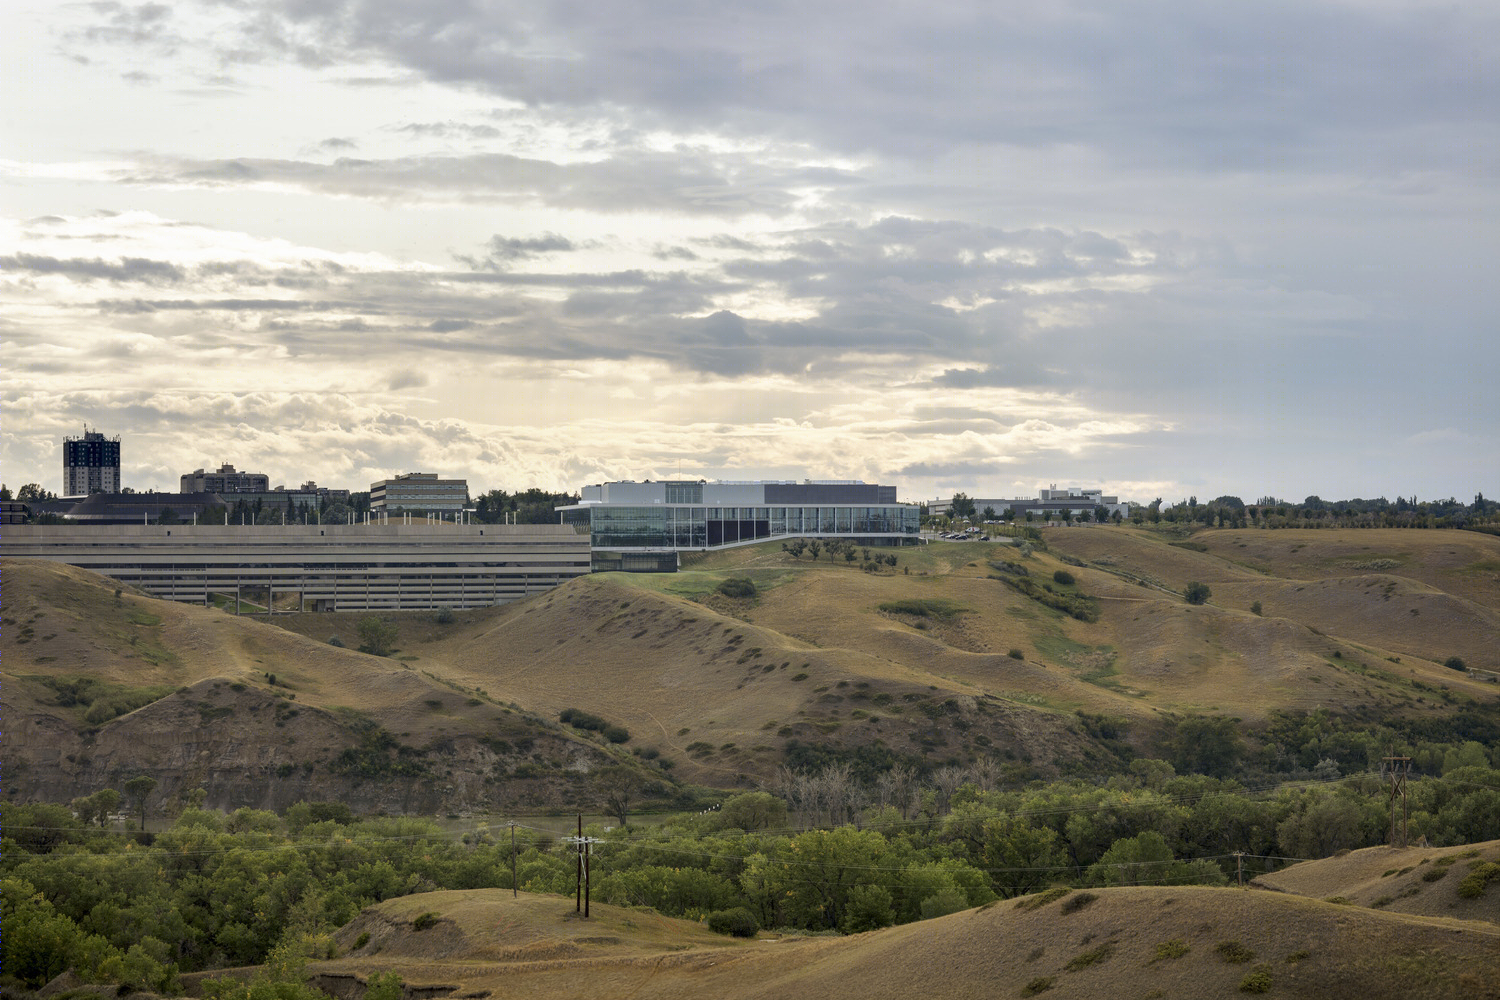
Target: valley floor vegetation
point(820, 852)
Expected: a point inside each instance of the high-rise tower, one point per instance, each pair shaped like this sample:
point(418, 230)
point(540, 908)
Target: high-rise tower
point(91, 464)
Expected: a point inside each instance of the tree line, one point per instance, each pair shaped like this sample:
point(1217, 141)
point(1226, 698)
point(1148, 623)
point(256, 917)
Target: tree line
point(814, 850)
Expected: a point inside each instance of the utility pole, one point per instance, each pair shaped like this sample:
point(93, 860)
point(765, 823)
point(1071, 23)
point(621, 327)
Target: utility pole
point(1239, 867)
point(514, 892)
point(1398, 769)
point(585, 854)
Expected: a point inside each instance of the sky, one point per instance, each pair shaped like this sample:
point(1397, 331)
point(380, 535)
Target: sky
point(1166, 249)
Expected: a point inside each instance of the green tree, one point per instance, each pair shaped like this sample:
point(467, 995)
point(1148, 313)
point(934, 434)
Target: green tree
point(868, 908)
point(377, 635)
point(1204, 744)
point(385, 986)
point(1021, 858)
point(815, 872)
point(1196, 593)
point(989, 513)
point(617, 787)
point(753, 811)
point(139, 789)
point(961, 506)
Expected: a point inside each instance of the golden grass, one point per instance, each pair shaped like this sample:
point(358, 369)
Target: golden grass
point(679, 665)
point(535, 947)
point(1397, 880)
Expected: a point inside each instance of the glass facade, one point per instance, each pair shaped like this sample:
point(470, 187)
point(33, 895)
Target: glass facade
point(673, 526)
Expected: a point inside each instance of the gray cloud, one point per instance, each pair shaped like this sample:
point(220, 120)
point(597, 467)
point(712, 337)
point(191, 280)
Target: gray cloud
point(1209, 87)
point(502, 251)
point(125, 269)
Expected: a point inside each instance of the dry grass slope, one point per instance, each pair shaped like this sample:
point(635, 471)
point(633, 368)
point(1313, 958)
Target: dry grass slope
point(1423, 881)
point(1351, 620)
point(533, 947)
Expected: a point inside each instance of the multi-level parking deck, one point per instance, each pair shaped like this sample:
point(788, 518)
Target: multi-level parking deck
point(340, 567)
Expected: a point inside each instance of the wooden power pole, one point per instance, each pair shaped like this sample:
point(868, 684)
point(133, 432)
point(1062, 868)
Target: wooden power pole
point(1398, 769)
point(514, 891)
point(585, 853)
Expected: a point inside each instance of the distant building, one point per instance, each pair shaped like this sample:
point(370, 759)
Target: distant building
point(91, 464)
point(1079, 502)
point(142, 508)
point(324, 493)
point(642, 526)
point(225, 480)
point(419, 491)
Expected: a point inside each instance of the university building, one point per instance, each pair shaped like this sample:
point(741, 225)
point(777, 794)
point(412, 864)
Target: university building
point(1081, 503)
point(419, 491)
point(641, 526)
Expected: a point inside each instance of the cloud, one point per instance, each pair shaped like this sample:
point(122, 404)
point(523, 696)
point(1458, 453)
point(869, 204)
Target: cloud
point(125, 269)
point(502, 251)
point(629, 182)
point(1209, 87)
point(407, 380)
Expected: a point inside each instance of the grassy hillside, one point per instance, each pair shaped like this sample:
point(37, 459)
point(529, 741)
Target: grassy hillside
point(1424, 881)
point(962, 651)
point(1138, 942)
point(102, 684)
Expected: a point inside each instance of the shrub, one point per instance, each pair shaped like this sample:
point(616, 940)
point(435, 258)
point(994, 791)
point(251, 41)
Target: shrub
point(1089, 958)
point(334, 640)
point(579, 719)
point(1040, 899)
point(1078, 901)
point(362, 940)
point(1040, 984)
point(1233, 952)
point(1255, 608)
point(378, 635)
point(444, 616)
point(1174, 948)
point(738, 922)
point(1196, 593)
point(1455, 663)
point(1474, 883)
point(1016, 654)
point(1063, 577)
point(925, 607)
point(385, 986)
point(738, 586)
point(424, 921)
point(616, 734)
point(1258, 981)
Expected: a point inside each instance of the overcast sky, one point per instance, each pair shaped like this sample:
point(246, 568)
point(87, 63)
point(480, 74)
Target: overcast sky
point(1168, 249)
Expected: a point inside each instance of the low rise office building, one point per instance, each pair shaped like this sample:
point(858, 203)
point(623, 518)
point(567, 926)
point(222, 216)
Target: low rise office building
point(225, 479)
point(641, 526)
point(419, 492)
point(1080, 503)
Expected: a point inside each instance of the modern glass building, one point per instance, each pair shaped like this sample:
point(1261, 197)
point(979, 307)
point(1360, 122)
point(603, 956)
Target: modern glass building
point(642, 526)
